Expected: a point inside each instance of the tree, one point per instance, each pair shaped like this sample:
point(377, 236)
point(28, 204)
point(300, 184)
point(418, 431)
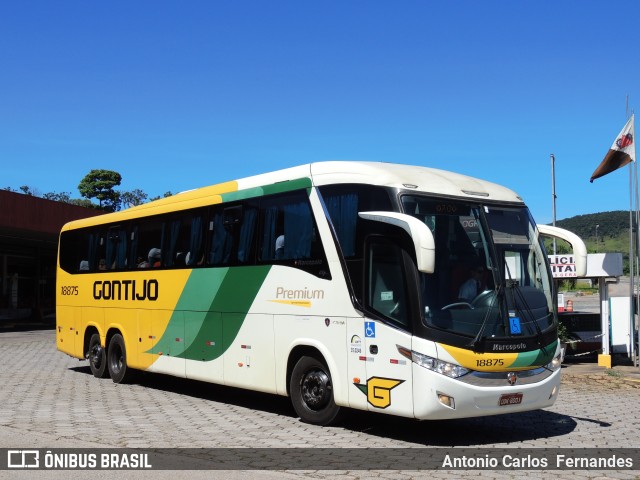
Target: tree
point(58, 197)
point(82, 202)
point(27, 190)
point(133, 198)
point(100, 184)
point(166, 195)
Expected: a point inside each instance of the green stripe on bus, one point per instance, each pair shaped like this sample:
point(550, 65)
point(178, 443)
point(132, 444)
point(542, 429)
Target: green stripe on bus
point(536, 357)
point(210, 312)
point(280, 187)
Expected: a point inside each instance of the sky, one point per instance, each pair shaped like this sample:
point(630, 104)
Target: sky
point(175, 95)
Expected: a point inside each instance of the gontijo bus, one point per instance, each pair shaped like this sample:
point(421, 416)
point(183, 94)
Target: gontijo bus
point(335, 283)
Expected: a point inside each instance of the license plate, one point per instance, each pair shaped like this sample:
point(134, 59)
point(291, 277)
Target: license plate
point(510, 399)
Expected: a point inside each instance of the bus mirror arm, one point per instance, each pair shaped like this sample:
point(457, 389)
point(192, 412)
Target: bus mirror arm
point(579, 248)
point(424, 244)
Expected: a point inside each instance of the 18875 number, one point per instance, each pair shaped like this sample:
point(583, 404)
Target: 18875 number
point(490, 362)
point(69, 290)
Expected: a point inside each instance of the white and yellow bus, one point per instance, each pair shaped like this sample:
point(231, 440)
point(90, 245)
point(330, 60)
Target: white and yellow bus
point(338, 284)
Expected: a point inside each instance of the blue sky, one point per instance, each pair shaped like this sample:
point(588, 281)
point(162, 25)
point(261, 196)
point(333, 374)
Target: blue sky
point(177, 95)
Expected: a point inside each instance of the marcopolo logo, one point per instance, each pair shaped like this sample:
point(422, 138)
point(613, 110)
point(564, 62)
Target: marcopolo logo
point(509, 347)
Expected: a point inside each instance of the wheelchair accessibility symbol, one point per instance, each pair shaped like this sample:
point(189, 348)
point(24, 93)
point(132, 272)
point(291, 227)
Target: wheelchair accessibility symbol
point(370, 329)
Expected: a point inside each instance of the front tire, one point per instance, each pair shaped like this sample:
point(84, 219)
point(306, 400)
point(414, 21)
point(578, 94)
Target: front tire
point(97, 357)
point(117, 360)
point(311, 391)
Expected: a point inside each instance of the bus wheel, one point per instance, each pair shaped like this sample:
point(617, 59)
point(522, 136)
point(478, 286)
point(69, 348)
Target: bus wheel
point(97, 357)
point(312, 392)
point(117, 360)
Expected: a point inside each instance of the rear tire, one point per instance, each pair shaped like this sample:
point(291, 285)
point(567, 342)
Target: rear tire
point(117, 360)
point(311, 391)
point(97, 357)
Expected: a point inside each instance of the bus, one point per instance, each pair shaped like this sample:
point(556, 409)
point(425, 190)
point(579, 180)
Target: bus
point(338, 284)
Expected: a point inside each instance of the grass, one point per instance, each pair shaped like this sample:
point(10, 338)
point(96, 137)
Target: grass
point(576, 286)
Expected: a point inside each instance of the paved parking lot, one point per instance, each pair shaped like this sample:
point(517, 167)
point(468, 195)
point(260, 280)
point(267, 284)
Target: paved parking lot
point(49, 400)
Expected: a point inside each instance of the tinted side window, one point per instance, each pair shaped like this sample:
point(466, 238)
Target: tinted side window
point(78, 251)
point(277, 229)
point(116, 248)
point(343, 202)
point(148, 242)
point(288, 234)
point(183, 239)
point(288, 230)
point(85, 250)
point(232, 229)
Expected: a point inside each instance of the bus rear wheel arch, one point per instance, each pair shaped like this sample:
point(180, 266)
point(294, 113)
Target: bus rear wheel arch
point(311, 391)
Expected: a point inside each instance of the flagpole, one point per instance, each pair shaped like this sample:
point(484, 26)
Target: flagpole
point(633, 252)
point(553, 196)
point(632, 259)
point(621, 153)
point(637, 251)
point(633, 241)
point(636, 224)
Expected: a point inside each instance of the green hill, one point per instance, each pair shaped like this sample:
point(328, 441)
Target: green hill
point(610, 225)
point(613, 232)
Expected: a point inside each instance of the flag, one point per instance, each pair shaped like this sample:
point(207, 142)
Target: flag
point(621, 153)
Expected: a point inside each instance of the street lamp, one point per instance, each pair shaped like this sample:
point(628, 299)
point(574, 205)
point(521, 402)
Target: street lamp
point(597, 238)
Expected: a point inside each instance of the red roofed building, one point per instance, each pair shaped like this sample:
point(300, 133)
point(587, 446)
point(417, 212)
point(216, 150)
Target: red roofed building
point(29, 230)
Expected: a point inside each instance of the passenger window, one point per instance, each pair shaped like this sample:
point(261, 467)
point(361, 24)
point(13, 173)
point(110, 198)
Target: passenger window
point(288, 230)
point(195, 251)
point(116, 249)
point(233, 231)
point(183, 245)
point(101, 251)
point(343, 202)
point(149, 243)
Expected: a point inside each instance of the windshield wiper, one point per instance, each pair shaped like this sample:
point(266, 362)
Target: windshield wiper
point(520, 305)
point(515, 289)
point(527, 309)
point(477, 340)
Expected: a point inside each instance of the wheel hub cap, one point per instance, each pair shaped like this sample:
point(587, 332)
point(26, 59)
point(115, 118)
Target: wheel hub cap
point(316, 389)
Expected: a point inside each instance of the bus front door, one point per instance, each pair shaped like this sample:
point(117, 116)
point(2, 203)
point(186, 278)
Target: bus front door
point(388, 386)
point(389, 379)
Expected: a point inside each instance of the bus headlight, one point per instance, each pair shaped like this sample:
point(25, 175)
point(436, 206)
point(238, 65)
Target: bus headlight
point(556, 363)
point(433, 364)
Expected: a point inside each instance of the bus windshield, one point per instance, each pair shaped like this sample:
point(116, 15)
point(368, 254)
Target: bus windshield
point(490, 278)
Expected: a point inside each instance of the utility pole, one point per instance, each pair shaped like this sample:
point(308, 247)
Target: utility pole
point(553, 195)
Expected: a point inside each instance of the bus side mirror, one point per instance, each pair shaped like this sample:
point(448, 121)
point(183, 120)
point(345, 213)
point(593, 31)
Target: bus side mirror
point(425, 247)
point(579, 248)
